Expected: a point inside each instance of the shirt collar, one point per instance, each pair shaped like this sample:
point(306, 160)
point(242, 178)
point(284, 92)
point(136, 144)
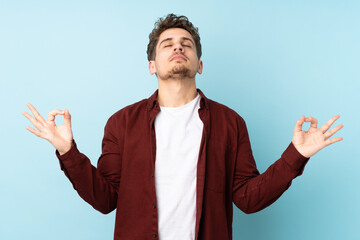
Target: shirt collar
point(152, 101)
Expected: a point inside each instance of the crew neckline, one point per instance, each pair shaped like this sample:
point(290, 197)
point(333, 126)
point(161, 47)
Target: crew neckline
point(182, 106)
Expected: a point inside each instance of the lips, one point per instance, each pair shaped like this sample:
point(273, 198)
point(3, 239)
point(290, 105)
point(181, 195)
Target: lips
point(178, 57)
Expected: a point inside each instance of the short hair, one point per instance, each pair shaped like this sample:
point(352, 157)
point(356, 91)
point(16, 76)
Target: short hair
point(172, 21)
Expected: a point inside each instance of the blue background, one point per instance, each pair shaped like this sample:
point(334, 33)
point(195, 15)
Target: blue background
point(271, 61)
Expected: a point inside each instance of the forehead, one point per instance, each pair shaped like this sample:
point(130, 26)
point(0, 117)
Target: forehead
point(174, 33)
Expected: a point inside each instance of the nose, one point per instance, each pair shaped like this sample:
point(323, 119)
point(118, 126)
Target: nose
point(178, 47)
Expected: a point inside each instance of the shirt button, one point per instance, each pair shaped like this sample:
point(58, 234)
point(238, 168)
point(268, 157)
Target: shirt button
point(149, 118)
point(154, 235)
point(154, 206)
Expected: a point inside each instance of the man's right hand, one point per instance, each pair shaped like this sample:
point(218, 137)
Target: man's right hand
point(60, 137)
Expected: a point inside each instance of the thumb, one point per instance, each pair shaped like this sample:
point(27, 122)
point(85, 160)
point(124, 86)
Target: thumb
point(67, 117)
point(299, 124)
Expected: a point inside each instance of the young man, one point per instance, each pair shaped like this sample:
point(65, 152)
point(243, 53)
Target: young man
point(173, 164)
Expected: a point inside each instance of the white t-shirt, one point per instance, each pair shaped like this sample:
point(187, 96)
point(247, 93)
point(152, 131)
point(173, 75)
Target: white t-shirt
point(178, 136)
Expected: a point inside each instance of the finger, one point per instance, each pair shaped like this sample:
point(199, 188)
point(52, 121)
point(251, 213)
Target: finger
point(37, 133)
point(36, 113)
point(333, 140)
point(333, 131)
point(53, 113)
point(33, 120)
point(313, 122)
point(67, 117)
point(299, 123)
point(327, 125)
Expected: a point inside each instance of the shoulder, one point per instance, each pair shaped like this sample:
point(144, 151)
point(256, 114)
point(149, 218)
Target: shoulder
point(134, 110)
point(221, 110)
point(225, 118)
point(136, 107)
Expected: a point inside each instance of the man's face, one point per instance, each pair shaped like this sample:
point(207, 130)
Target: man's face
point(176, 56)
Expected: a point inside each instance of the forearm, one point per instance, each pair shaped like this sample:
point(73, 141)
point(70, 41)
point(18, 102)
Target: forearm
point(254, 193)
point(87, 180)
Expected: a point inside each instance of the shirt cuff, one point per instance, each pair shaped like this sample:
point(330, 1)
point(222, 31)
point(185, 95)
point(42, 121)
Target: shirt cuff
point(294, 159)
point(69, 157)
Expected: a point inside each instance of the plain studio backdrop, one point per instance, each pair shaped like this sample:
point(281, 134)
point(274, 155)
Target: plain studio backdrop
point(271, 61)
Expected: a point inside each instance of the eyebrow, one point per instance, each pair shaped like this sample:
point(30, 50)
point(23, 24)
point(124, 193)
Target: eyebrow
point(183, 38)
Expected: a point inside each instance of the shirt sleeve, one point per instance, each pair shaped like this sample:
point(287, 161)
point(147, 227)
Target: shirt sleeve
point(253, 191)
point(97, 186)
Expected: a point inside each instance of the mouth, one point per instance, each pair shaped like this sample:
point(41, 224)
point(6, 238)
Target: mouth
point(178, 58)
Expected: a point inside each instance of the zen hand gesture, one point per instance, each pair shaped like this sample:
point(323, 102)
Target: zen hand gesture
point(310, 142)
point(59, 136)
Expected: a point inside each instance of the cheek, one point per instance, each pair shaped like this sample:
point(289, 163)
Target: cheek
point(194, 59)
point(159, 63)
point(192, 55)
point(162, 57)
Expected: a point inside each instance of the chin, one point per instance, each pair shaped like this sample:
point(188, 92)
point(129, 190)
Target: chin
point(179, 69)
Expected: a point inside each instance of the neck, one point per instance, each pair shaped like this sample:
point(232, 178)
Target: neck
point(175, 93)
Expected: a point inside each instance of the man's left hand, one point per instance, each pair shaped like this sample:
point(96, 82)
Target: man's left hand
point(310, 142)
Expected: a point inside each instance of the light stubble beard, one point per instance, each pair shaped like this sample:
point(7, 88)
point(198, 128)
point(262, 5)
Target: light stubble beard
point(178, 72)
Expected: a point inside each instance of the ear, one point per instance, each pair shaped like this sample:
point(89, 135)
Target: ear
point(152, 67)
point(200, 68)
